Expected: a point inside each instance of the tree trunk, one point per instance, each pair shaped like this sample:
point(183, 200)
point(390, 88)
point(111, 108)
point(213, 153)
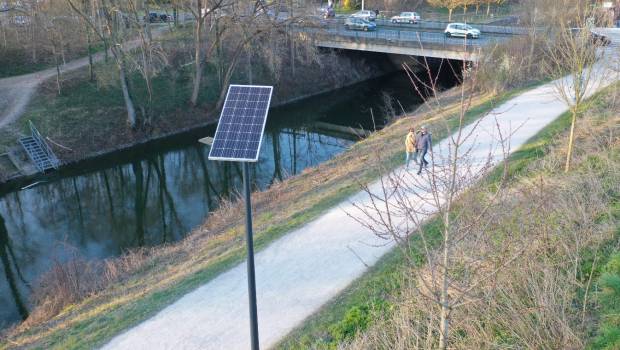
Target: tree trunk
point(91, 68)
point(227, 76)
point(250, 70)
point(488, 8)
point(443, 300)
point(4, 41)
point(569, 152)
point(34, 39)
point(197, 59)
point(131, 111)
point(57, 70)
point(449, 15)
point(62, 47)
point(292, 43)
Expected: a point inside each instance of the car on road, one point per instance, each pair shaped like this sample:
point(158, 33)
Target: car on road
point(354, 23)
point(462, 30)
point(406, 17)
point(365, 14)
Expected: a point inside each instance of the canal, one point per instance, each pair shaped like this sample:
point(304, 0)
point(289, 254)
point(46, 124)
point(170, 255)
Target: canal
point(157, 193)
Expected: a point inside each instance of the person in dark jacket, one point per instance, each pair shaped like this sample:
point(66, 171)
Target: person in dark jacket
point(423, 145)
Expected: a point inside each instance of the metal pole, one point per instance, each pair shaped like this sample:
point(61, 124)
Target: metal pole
point(250, 244)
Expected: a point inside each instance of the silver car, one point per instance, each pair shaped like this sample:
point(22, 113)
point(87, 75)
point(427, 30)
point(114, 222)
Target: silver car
point(462, 30)
point(406, 17)
point(365, 14)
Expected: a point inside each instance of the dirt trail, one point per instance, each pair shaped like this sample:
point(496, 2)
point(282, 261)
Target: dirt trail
point(16, 92)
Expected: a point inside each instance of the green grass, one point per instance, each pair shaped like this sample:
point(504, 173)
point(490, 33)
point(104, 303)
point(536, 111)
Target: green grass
point(608, 298)
point(380, 283)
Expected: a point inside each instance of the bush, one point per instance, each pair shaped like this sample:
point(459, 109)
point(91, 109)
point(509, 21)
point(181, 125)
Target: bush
point(356, 319)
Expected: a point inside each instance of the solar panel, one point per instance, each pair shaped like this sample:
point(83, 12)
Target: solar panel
point(240, 130)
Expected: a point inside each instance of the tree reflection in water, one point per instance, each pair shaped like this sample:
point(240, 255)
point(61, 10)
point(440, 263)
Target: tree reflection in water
point(11, 271)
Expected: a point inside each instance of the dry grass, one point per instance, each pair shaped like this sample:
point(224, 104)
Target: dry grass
point(73, 297)
point(534, 265)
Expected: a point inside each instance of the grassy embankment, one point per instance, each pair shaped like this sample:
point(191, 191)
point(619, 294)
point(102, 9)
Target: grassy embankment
point(366, 312)
point(144, 283)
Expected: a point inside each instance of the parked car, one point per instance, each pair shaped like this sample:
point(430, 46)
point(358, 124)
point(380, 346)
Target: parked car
point(155, 17)
point(462, 30)
point(165, 17)
point(406, 17)
point(152, 17)
point(354, 23)
point(365, 14)
point(599, 40)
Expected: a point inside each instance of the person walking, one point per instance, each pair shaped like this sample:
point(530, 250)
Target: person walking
point(410, 148)
point(423, 145)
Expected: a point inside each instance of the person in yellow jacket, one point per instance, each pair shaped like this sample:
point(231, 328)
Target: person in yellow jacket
point(410, 147)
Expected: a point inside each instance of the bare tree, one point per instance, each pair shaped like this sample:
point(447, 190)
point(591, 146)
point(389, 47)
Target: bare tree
point(205, 13)
point(111, 26)
point(402, 201)
point(573, 52)
point(151, 55)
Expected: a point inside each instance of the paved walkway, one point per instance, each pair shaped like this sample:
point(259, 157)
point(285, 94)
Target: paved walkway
point(300, 272)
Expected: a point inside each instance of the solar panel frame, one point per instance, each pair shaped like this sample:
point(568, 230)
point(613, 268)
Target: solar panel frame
point(219, 131)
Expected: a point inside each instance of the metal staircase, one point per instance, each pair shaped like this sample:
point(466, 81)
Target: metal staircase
point(39, 151)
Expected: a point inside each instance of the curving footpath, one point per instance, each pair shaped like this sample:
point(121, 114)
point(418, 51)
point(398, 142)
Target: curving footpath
point(302, 271)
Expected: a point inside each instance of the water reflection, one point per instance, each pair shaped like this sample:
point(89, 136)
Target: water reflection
point(11, 271)
point(160, 195)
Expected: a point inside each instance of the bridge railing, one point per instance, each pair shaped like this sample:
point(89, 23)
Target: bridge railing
point(405, 38)
point(439, 25)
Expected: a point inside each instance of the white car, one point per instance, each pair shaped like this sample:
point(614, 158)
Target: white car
point(462, 30)
point(365, 14)
point(406, 17)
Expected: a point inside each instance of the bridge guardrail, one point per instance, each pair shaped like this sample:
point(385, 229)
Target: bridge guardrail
point(440, 25)
point(405, 38)
point(484, 28)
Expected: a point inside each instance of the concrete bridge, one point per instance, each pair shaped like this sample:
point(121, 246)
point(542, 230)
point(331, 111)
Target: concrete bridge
point(425, 39)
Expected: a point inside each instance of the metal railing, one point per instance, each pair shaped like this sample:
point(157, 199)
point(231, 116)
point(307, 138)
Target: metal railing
point(403, 38)
point(38, 138)
point(441, 25)
point(438, 25)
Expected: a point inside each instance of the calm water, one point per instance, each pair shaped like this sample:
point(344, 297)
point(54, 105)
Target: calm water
point(158, 193)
